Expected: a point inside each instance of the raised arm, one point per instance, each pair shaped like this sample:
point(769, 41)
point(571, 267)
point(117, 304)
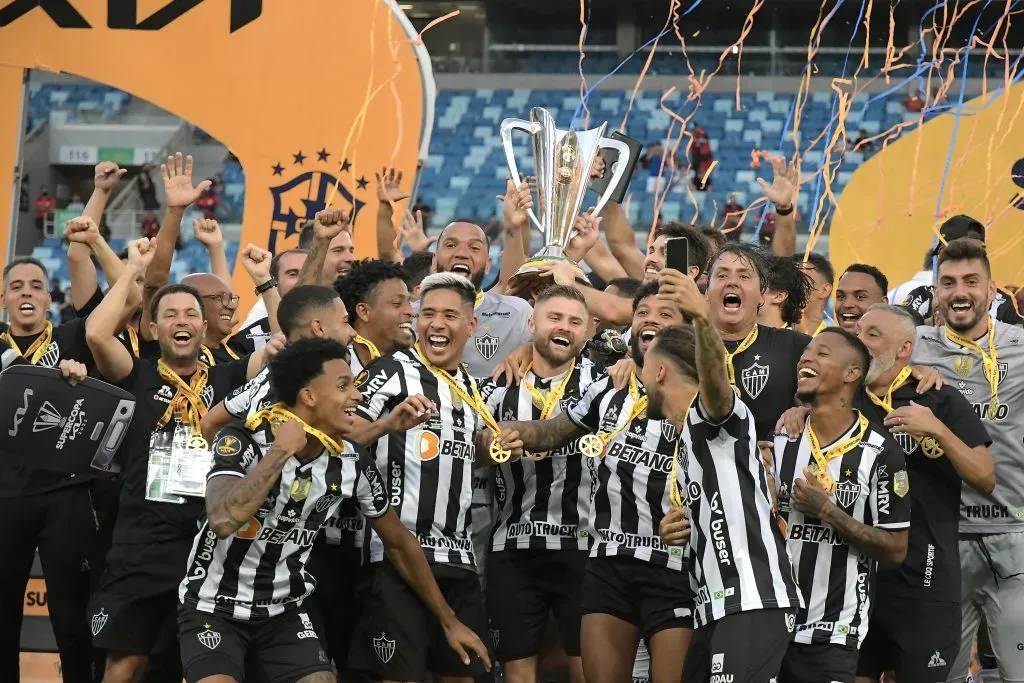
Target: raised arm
point(113, 360)
point(614, 310)
point(327, 225)
point(83, 273)
point(256, 262)
point(389, 193)
point(231, 501)
point(622, 240)
point(783, 192)
point(207, 231)
point(716, 395)
point(539, 436)
point(516, 223)
point(179, 194)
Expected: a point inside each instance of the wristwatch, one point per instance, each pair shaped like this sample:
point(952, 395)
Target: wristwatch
point(269, 284)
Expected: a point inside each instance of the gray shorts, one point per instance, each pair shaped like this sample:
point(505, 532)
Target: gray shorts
point(993, 584)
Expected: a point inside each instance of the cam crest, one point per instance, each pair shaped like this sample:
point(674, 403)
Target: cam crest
point(306, 185)
point(754, 379)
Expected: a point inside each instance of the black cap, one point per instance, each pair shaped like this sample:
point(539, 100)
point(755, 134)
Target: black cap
point(962, 226)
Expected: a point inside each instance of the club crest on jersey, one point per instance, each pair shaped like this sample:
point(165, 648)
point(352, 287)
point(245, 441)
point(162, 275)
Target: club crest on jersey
point(98, 621)
point(963, 365)
point(1003, 367)
point(361, 378)
point(669, 431)
point(754, 379)
point(209, 639)
point(906, 442)
point(300, 489)
point(51, 357)
point(384, 647)
point(486, 345)
point(847, 493)
point(494, 635)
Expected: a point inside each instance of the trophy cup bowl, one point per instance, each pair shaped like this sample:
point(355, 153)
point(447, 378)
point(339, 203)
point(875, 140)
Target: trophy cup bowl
point(562, 160)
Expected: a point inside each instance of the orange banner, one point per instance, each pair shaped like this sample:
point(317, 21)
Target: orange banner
point(10, 119)
point(887, 213)
point(307, 95)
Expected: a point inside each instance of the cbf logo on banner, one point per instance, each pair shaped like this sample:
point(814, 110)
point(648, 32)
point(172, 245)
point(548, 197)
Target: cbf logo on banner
point(971, 164)
point(311, 96)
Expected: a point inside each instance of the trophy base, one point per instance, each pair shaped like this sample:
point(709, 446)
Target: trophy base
point(529, 281)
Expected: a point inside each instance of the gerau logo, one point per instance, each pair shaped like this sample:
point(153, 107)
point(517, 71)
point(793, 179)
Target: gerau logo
point(307, 186)
point(123, 14)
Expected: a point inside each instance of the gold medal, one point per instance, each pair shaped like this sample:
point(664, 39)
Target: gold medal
point(197, 441)
point(931, 448)
point(498, 452)
point(591, 445)
point(536, 457)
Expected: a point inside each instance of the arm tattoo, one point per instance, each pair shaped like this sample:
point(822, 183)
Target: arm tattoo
point(546, 435)
point(313, 268)
point(715, 392)
point(879, 544)
point(231, 503)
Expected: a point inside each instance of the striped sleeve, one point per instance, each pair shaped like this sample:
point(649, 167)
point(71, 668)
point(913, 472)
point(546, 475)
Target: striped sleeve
point(241, 399)
point(231, 450)
point(586, 412)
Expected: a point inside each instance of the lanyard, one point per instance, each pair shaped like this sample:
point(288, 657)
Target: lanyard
point(207, 353)
point(479, 298)
point(822, 458)
point(499, 453)
point(989, 361)
point(278, 414)
point(675, 496)
point(821, 326)
point(38, 348)
point(928, 445)
point(370, 346)
point(747, 342)
point(593, 445)
point(133, 339)
point(547, 404)
point(187, 403)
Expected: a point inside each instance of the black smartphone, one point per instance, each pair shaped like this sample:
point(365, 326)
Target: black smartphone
point(677, 254)
point(611, 160)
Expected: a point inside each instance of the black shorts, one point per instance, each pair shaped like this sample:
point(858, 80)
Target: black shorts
point(399, 639)
point(281, 649)
point(526, 586)
point(744, 646)
point(821, 663)
point(134, 607)
point(338, 572)
point(649, 597)
point(916, 639)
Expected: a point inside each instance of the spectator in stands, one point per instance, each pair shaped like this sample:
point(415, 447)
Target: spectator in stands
point(767, 227)
point(147, 190)
point(45, 206)
point(733, 218)
point(207, 202)
point(651, 159)
point(915, 103)
point(150, 225)
point(217, 184)
point(76, 204)
point(23, 196)
point(701, 159)
point(56, 293)
point(861, 144)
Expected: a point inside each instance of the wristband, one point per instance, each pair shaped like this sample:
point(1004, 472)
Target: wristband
point(269, 284)
point(783, 210)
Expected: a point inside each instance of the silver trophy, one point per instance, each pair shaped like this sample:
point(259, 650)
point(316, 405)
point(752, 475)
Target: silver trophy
point(562, 160)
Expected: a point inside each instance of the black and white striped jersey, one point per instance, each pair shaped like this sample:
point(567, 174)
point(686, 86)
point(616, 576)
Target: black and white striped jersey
point(737, 554)
point(251, 397)
point(428, 469)
point(836, 579)
point(543, 504)
point(632, 477)
point(260, 571)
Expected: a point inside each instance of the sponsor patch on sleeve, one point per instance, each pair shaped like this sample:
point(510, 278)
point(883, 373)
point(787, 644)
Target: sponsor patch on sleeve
point(901, 483)
point(227, 446)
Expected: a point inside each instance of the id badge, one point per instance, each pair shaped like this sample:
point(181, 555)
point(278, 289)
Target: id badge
point(158, 468)
point(190, 462)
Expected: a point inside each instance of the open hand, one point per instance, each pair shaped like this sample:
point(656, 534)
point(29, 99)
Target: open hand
point(389, 183)
point(791, 423)
point(177, 175)
point(413, 232)
point(914, 419)
point(785, 183)
point(412, 412)
point(515, 203)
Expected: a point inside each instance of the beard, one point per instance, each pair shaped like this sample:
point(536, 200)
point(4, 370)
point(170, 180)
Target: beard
point(634, 350)
point(554, 354)
point(879, 366)
point(979, 313)
point(476, 278)
point(655, 405)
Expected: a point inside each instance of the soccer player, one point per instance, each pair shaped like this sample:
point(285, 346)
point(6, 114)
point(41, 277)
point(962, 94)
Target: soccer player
point(274, 483)
point(633, 583)
point(759, 359)
point(376, 296)
point(736, 554)
point(917, 632)
point(428, 465)
point(982, 357)
point(541, 532)
point(860, 287)
point(133, 609)
point(842, 490)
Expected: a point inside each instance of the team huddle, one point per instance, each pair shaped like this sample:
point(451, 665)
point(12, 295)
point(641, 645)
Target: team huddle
point(399, 475)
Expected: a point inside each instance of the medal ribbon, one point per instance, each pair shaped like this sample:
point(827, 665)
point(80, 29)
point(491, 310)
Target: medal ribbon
point(547, 403)
point(675, 496)
point(928, 445)
point(38, 348)
point(747, 342)
point(187, 403)
point(476, 402)
point(370, 346)
point(822, 459)
point(133, 339)
point(593, 445)
point(278, 414)
point(989, 361)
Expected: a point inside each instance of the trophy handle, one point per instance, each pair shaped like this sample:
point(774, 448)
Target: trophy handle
point(507, 126)
point(623, 149)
